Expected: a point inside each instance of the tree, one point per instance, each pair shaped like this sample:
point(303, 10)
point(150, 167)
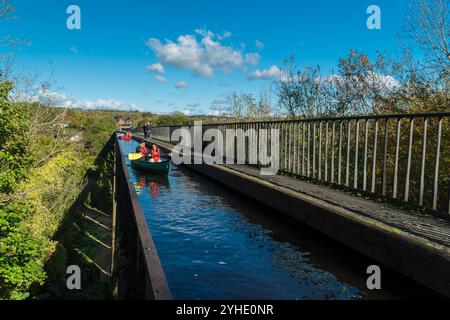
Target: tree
point(416, 89)
point(312, 97)
point(6, 12)
point(247, 106)
point(236, 105)
point(15, 159)
point(428, 26)
point(360, 86)
point(6, 9)
point(423, 84)
point(286, 89)
point(303, 93)
point(264, 108)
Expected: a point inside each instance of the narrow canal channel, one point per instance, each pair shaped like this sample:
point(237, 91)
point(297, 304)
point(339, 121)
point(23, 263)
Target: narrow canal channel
point(214, 244)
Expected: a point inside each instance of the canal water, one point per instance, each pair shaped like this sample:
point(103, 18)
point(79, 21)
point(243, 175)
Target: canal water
point(215, 244)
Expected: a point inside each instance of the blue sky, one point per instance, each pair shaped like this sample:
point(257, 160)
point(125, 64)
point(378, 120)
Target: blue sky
point(107, 60)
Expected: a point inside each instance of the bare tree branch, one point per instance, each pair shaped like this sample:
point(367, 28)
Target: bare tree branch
point(428, 26)
point(6, 9)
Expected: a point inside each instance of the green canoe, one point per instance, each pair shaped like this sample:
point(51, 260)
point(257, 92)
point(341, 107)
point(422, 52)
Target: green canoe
point(147, 166)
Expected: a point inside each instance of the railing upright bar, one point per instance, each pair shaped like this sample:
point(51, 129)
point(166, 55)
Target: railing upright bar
point(247, 144)
point(299, 140)
point(448, 197)
point(239, 146)
point(366, 136)
point(297, 148)
point(408, 163)
point(326, 151)
point(340, 153)
point(252, 151)
point(286, 146)
point(436, 165)
point(303, 147)
point(355, 175)
point(386, 128)
point(320, 152)
point(258, 127)
point(289, 146)
point(309, 147)
point(422, 169)
point(314, 151)
point(279, 127)
point(347, 163)
point(251, 137)
point(333, 131)
point(374, 162)
point(397, 150)
point(294, 154)
point(294, 147)
point(243, 144)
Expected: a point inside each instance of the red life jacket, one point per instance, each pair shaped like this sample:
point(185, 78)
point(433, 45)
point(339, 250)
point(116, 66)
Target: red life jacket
point(155, 155)
point(143, 151)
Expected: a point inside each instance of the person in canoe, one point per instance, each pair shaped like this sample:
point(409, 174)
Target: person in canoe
point(142, 149)
point(155, 153)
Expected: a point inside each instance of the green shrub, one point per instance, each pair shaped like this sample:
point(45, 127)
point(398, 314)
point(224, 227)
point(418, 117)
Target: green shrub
point(14, 124)
point(28, 225)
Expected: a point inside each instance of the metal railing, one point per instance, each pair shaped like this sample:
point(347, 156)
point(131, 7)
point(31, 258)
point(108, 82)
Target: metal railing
point(400, 156)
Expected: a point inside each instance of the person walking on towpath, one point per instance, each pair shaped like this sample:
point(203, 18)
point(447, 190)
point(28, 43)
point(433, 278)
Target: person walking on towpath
point(145, 128)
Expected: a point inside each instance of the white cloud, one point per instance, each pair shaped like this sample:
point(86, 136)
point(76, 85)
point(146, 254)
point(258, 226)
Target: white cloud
point(160, 78)
point(272, 73)
point(218, 107)
point(224, 35)
point(381, 81)
point(384, 80)
point(186, 112)
point(156, 68)
point(202, 56)
point(181, 84)
point(185, 54)
point(190, 109)
point(259, 45)
point(73, 49)
point(252, 59)
point(63, 100)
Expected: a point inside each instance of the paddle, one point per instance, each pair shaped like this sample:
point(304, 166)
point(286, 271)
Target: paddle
point(134, 156)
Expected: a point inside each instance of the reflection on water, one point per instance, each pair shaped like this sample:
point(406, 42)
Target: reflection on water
point(152, 182)
point(214, 244)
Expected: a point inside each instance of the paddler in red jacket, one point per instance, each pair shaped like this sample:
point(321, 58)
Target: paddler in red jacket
point(143, 149)
point(155, 153)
